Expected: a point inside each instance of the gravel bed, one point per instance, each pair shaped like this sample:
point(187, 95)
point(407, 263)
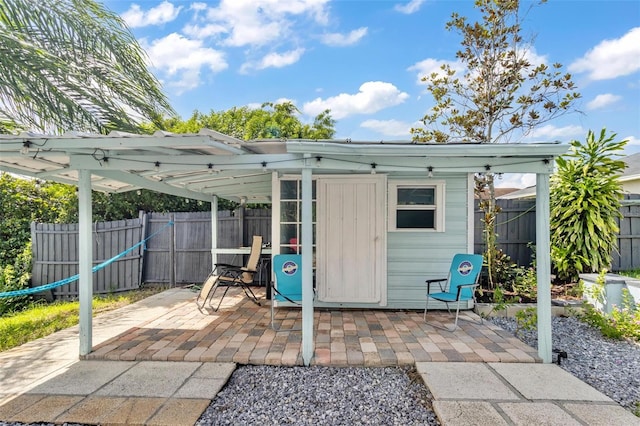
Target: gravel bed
point(611, 366)
point(270, 395)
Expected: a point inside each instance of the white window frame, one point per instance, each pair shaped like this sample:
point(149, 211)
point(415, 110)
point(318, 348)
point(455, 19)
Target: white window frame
point(438, 207)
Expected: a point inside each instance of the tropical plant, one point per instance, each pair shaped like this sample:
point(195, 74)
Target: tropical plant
point(499, 96)
point(585, 205)
point(73, 65)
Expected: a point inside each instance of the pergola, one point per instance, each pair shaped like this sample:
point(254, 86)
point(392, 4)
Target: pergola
point(208, 165)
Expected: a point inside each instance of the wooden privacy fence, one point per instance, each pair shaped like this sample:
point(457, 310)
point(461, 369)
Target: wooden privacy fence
point(184, 255)
point(55, 256)
point(177, 254)
point(516, 228)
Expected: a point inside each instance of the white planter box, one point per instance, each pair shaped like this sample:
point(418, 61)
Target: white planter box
point(613, 286)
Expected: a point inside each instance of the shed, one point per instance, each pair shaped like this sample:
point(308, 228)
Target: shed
point(373, 220)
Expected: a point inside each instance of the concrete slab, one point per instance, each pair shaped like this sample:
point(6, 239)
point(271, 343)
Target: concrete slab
point(134, 411)
point(180, 412)
point(200, 388)
point(46, 409)
point(602, 414)
point(547, 382)
point(538, 413)
point(150, 379)
point(83, 378)
point(16, 405)
point(459, 380)
point(215, 370)
point(90, 410)
point(467, 413)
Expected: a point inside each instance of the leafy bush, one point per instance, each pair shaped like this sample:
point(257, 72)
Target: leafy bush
point(622, 322)
point(16, 277)
point(23, 201)
point(585, 203)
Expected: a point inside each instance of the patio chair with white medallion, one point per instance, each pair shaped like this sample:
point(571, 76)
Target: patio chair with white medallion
point(459, 286)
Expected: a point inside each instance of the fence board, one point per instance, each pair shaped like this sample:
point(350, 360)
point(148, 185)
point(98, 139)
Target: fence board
point(192, 247)
point(55, 256)
point(517, 227)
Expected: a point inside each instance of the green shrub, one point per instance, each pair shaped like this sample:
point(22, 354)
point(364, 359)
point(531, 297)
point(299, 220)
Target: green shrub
point(622, 322)
point(16, 277)
point(585, 202)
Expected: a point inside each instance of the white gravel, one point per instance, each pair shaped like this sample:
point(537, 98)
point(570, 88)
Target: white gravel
point(267, 395)
point(611, 366)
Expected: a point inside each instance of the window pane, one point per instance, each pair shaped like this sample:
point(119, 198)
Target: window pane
point(289, 189)
point(416, 196)
point(288, 211)
point(288, 234)
point(422, 219)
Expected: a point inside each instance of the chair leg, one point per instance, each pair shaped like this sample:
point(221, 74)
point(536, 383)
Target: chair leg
point(222, 298)
point(455, 323)
point(249, 293)
point(426, 306)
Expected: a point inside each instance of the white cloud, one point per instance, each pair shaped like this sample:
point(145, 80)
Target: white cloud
point(165, 12)
point(516, 180)
point(429, 66)
point(632, 140)
point(409, 8)
point(262, 22)
point(372, 97)
point(603, 100)
point(203, 31)
point(395, 128)
point(337, 39)
point(181, 59)
point(611, 58)
point(550, 133)
point(274, 60)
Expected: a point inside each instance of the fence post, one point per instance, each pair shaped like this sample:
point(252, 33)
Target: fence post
point(172, 252)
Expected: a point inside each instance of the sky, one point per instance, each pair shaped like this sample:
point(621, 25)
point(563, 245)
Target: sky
point(364, 59)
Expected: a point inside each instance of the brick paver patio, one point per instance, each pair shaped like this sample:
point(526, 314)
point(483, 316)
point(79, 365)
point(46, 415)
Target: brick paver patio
point(241, 332)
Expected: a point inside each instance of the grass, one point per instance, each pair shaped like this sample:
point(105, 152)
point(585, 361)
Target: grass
point(633, 273)
point(43, 319)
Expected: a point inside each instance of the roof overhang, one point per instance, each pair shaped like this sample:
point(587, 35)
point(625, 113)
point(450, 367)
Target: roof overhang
point(201, 165)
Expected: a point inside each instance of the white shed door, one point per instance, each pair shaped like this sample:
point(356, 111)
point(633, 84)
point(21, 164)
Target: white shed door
point(351, 252)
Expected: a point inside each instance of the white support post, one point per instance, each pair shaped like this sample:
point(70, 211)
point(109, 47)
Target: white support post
point(214, 231)
point(543, 261)
point(85, 260)
point(307, 268)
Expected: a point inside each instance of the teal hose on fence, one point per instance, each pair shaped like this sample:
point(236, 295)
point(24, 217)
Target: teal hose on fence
point(73, 278)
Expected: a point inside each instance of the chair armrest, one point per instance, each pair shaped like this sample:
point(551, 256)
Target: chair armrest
point(461, 286)
point(435, 280)
point(225, 265)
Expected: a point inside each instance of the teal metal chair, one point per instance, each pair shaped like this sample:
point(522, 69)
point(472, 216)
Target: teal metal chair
point(287, 287)
point(459, 286)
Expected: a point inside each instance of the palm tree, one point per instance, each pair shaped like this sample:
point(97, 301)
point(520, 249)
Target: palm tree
point(73, 65)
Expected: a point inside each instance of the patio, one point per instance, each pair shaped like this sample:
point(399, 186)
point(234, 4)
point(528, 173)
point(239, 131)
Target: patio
point(240, 332)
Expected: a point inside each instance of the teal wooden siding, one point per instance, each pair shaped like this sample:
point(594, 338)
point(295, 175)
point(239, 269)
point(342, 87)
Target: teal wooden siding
point(413, 257)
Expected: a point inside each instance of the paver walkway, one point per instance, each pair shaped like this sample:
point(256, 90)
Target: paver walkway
point(241, 332)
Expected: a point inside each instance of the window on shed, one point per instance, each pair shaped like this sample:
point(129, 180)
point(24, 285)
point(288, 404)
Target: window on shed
point(416, 206)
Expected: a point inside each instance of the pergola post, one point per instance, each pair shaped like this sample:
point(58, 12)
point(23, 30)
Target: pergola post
point(214, 231)
point(307, 268)
point(543, 266)
point(85, 260)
